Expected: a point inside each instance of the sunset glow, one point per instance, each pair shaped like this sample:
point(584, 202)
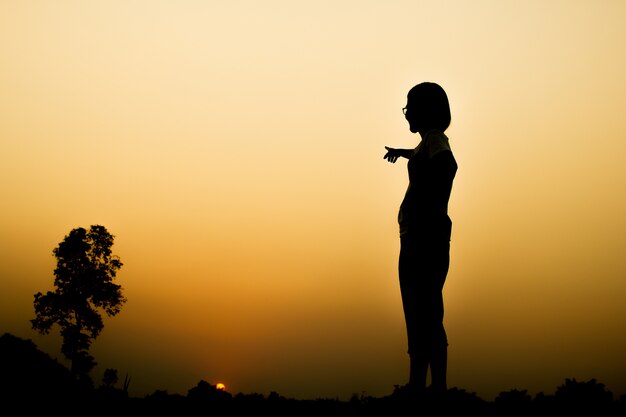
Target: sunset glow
point(235, 151)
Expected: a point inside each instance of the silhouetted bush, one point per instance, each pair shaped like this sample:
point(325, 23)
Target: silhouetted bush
point(513, 402)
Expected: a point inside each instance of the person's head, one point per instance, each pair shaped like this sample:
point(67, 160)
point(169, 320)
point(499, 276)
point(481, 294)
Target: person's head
point(427, 108)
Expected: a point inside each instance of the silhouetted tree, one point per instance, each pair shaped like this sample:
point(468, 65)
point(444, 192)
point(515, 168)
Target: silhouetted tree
point(84, 286)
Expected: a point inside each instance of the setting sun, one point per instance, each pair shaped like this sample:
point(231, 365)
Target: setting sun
point(220, 386)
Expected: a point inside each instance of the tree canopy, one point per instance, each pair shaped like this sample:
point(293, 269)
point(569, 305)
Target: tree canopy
point(84, 287)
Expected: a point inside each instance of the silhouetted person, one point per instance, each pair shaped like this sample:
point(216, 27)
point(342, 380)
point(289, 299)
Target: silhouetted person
point(425, 230)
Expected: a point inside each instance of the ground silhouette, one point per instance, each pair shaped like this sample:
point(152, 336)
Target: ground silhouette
point(32, 382)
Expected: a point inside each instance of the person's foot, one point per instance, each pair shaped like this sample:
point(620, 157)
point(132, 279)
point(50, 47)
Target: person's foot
point(438, 387)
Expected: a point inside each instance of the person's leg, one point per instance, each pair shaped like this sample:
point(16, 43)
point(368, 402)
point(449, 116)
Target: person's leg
point(439, 361)
point(410, 292)
point(416, 308)
point(439, 347)
point(418, 372)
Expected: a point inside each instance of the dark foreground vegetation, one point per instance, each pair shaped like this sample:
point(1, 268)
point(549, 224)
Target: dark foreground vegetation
point(32, 383)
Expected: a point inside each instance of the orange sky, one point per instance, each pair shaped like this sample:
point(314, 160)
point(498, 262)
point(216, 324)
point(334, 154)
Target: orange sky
point(235, 151)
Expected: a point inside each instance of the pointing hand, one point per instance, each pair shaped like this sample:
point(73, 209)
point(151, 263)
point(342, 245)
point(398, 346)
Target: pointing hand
point(392, 154)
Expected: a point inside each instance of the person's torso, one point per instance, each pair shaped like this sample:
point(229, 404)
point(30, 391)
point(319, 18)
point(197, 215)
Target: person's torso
point(423, 211)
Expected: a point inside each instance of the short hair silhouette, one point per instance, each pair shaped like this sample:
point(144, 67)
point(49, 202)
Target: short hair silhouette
point(430, 102)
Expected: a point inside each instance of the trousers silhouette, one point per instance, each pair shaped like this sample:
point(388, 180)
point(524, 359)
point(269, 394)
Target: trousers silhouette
point(423, 267)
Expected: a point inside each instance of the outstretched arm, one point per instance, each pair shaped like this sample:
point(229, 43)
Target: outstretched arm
point(393, 154)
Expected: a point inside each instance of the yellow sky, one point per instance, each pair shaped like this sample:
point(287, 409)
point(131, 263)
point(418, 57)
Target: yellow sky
point(235, 151)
